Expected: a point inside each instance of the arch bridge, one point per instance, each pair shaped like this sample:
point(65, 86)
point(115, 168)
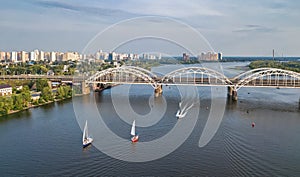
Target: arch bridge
point(198, 76)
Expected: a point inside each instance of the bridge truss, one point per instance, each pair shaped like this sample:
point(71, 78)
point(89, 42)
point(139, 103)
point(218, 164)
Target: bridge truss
point(124, 75)
point(267, 77)
point(198, 76)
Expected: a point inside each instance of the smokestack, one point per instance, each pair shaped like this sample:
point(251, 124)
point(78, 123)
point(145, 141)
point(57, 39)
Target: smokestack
point(273, 54)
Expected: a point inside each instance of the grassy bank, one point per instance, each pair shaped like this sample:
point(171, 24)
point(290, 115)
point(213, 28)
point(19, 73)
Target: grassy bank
point(291, 65)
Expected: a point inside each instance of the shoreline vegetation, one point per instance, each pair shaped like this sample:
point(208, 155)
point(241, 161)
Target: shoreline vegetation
point(34, 106)
point(290, 65)
point(24, 99)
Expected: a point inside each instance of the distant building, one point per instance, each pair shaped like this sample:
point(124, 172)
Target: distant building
point(136, 56)
point(148, 56)
point(159, 56)
point(23, 56)
point(219, 56)
point(70, 56)
point(210, 56)
point(50, 73)
point(112, 56)
point(14, 57)
point(41, 56)
point(20, 87)
point(185, 57)
point(3, 56)
point(52, 57)
point(5, 90)
point(33, 56)
point(59, 56)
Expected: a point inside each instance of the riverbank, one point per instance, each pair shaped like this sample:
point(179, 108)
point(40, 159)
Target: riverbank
point(40, 104)
point(290, 65)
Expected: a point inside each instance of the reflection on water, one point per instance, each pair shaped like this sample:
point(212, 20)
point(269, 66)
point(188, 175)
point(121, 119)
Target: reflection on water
point(47, 140)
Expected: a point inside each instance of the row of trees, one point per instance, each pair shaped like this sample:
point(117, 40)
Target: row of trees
point(17, 101)
point(38, 68)
point(21, 99)
point(291, 65)
point(47, 95)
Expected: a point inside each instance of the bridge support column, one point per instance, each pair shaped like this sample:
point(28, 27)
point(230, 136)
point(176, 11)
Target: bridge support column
point(84, 88)
point(230, 90)
point(234, 95)
point(158, 90)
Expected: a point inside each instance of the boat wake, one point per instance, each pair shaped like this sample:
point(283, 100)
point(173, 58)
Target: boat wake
point(184, 106)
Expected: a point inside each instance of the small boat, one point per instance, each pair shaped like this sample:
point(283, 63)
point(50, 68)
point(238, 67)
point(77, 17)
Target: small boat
point(178, 113)
point(86, 139)
point(181, 115)
point(253, 124)
point(134, 137)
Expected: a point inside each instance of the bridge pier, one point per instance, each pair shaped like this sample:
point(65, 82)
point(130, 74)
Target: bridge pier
point(229, 93)
point(232, 93)
point(158, 90)
point(85, 89)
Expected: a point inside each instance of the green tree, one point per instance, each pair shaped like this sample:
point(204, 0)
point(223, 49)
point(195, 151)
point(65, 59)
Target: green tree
point(9, 104)
point(17, 101)
point(41, 84)
point(67, 91)
point(60, 93)
point(47, 94)
point(26, 96)
point(64, 92)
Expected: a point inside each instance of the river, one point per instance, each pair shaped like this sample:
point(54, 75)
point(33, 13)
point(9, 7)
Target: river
point(46, 141)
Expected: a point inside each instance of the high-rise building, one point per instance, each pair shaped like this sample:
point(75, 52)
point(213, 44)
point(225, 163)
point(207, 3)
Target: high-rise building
point(59, 56)
point(209, 56)
point(23, 57)
point(2, 56)
point(185, 57)
point(52, 57)
point(33, 56)
point(41, 56)
point(70, 56)
point(14, 56)
point(8, 56)
point(112, 56)
point(220, 56)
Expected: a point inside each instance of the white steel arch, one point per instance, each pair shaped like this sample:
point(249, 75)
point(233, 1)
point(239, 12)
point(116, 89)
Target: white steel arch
point(205, 76)
point(273, 78)
point(122, 75)
point(149, 73)
point(247, 73)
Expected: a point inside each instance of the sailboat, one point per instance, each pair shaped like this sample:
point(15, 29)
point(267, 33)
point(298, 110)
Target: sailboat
point(181, 115)
point(178, 113)
point(135, 137)
point(182, 112)
point(179, 110)
point(86, 140)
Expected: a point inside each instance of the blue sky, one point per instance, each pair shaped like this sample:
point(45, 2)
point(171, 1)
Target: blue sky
point(234, 27)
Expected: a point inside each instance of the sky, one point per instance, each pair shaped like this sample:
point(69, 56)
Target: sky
point(233, 27)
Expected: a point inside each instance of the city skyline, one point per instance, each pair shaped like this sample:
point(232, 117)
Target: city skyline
point(236, 28)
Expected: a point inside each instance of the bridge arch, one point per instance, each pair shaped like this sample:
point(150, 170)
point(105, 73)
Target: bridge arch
point(271, 77)
point(124, 75)
point(200, 76)
point(149, 73)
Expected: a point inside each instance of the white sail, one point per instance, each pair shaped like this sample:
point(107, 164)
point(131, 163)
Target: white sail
point(85, 132)
point(178, 113)
point(133, 129)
